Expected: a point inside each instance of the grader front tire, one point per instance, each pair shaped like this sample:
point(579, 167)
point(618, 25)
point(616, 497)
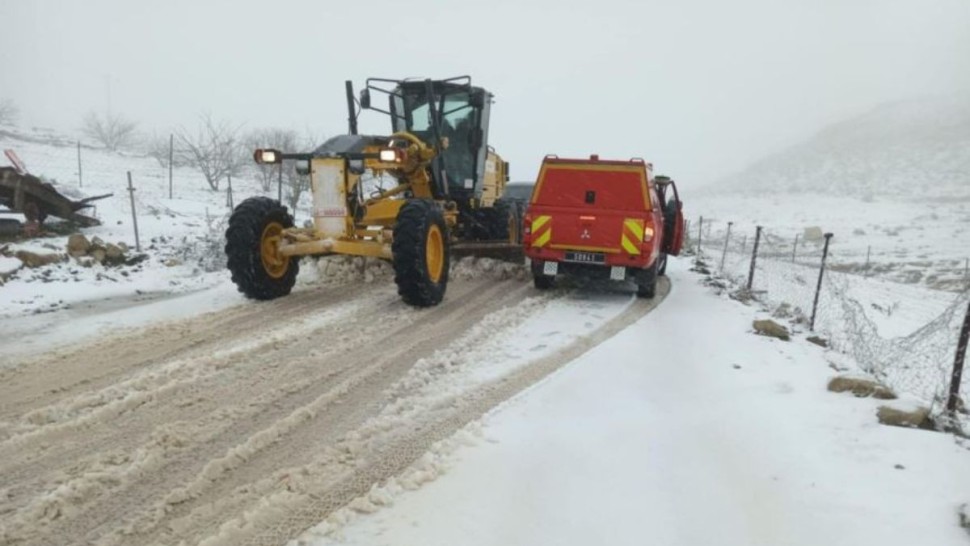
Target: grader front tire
point(255, 229)
point(421, 253)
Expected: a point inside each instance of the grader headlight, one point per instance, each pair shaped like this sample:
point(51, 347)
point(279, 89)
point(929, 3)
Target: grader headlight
point(268, 157)
point(393, 155)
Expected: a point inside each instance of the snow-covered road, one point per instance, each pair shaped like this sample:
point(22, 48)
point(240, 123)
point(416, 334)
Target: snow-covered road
point(684, 429)
point(251, 423)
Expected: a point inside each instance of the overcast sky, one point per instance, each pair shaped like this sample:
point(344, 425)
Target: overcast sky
point(698, 87)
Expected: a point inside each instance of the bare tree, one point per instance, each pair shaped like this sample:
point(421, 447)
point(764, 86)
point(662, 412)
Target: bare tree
point(286, 140)
point(296, 184)
point(214, 149)
point(110, 130)
point(8, 112)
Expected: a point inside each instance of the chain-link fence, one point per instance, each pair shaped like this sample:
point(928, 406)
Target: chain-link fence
point(904, 334)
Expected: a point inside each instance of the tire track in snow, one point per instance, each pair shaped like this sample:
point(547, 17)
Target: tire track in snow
point(224, 420)
point(61, 373)
point(135, 438)
point(290, 503)
point(202, 499)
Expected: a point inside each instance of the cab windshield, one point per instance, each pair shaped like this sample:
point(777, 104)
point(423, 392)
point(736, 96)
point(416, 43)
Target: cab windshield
point(457, 121)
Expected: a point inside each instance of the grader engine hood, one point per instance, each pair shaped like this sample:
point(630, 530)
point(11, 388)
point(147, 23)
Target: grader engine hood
point(342, 145)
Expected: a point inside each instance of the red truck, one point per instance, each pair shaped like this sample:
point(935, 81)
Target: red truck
point(602, 218)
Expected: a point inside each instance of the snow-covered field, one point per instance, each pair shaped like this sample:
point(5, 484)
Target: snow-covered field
point(911, 241)
point(154, 404)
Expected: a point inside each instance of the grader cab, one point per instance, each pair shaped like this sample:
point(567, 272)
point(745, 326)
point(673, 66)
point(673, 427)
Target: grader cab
point(430, 188)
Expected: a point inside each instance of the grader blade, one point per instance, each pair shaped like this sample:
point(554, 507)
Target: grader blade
point(504, 251)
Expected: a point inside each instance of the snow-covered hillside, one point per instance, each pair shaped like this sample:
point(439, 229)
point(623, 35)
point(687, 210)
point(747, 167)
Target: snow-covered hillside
point(917, 150)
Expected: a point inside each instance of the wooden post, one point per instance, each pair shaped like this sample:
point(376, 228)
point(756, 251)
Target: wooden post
point(229, 191)
point(794, 250)
point(955, 378)
point(134, 217)
point(754, 257)
point(171, 159)
point(80, 182)
point(727, 238)
point(700, 235)
point(818, 289)
point(868, 253)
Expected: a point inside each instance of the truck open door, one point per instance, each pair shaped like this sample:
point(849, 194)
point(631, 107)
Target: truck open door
point(674, 225)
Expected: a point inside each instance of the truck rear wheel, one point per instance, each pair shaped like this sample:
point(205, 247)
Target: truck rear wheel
point(540, 280)
point(662, 269)
point(647, 281)
point(421, 253)
point(252, 242)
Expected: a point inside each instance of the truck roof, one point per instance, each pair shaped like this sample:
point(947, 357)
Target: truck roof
point(610, 184)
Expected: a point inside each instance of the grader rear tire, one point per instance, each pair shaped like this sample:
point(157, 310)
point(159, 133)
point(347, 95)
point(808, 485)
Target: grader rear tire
point(504, 222)
point(421, 253)
point(255, 229)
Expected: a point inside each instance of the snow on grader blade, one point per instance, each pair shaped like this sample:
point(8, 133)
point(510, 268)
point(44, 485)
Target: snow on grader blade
point(36, 199)
point(443, 200)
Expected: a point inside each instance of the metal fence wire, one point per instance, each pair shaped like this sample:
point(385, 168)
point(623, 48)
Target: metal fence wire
point(904, 335)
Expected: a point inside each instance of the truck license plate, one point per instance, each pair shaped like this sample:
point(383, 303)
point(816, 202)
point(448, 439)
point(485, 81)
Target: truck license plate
point(586, 257)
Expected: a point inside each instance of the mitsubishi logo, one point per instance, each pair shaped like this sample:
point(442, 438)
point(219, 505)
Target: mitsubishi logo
point(584, 234)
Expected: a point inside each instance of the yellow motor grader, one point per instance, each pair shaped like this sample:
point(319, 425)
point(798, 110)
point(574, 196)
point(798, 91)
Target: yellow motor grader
point(430, 188)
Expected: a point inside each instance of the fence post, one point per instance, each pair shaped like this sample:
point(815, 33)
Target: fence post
point(80, 182)
point(171, 159)
point(868, 253)
point(754, 257)
point(700, 235)
point(727, 238)
point(134, 217)
point(818, 289)
point(951, 403)
point(229, 191)
point(794, 249)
